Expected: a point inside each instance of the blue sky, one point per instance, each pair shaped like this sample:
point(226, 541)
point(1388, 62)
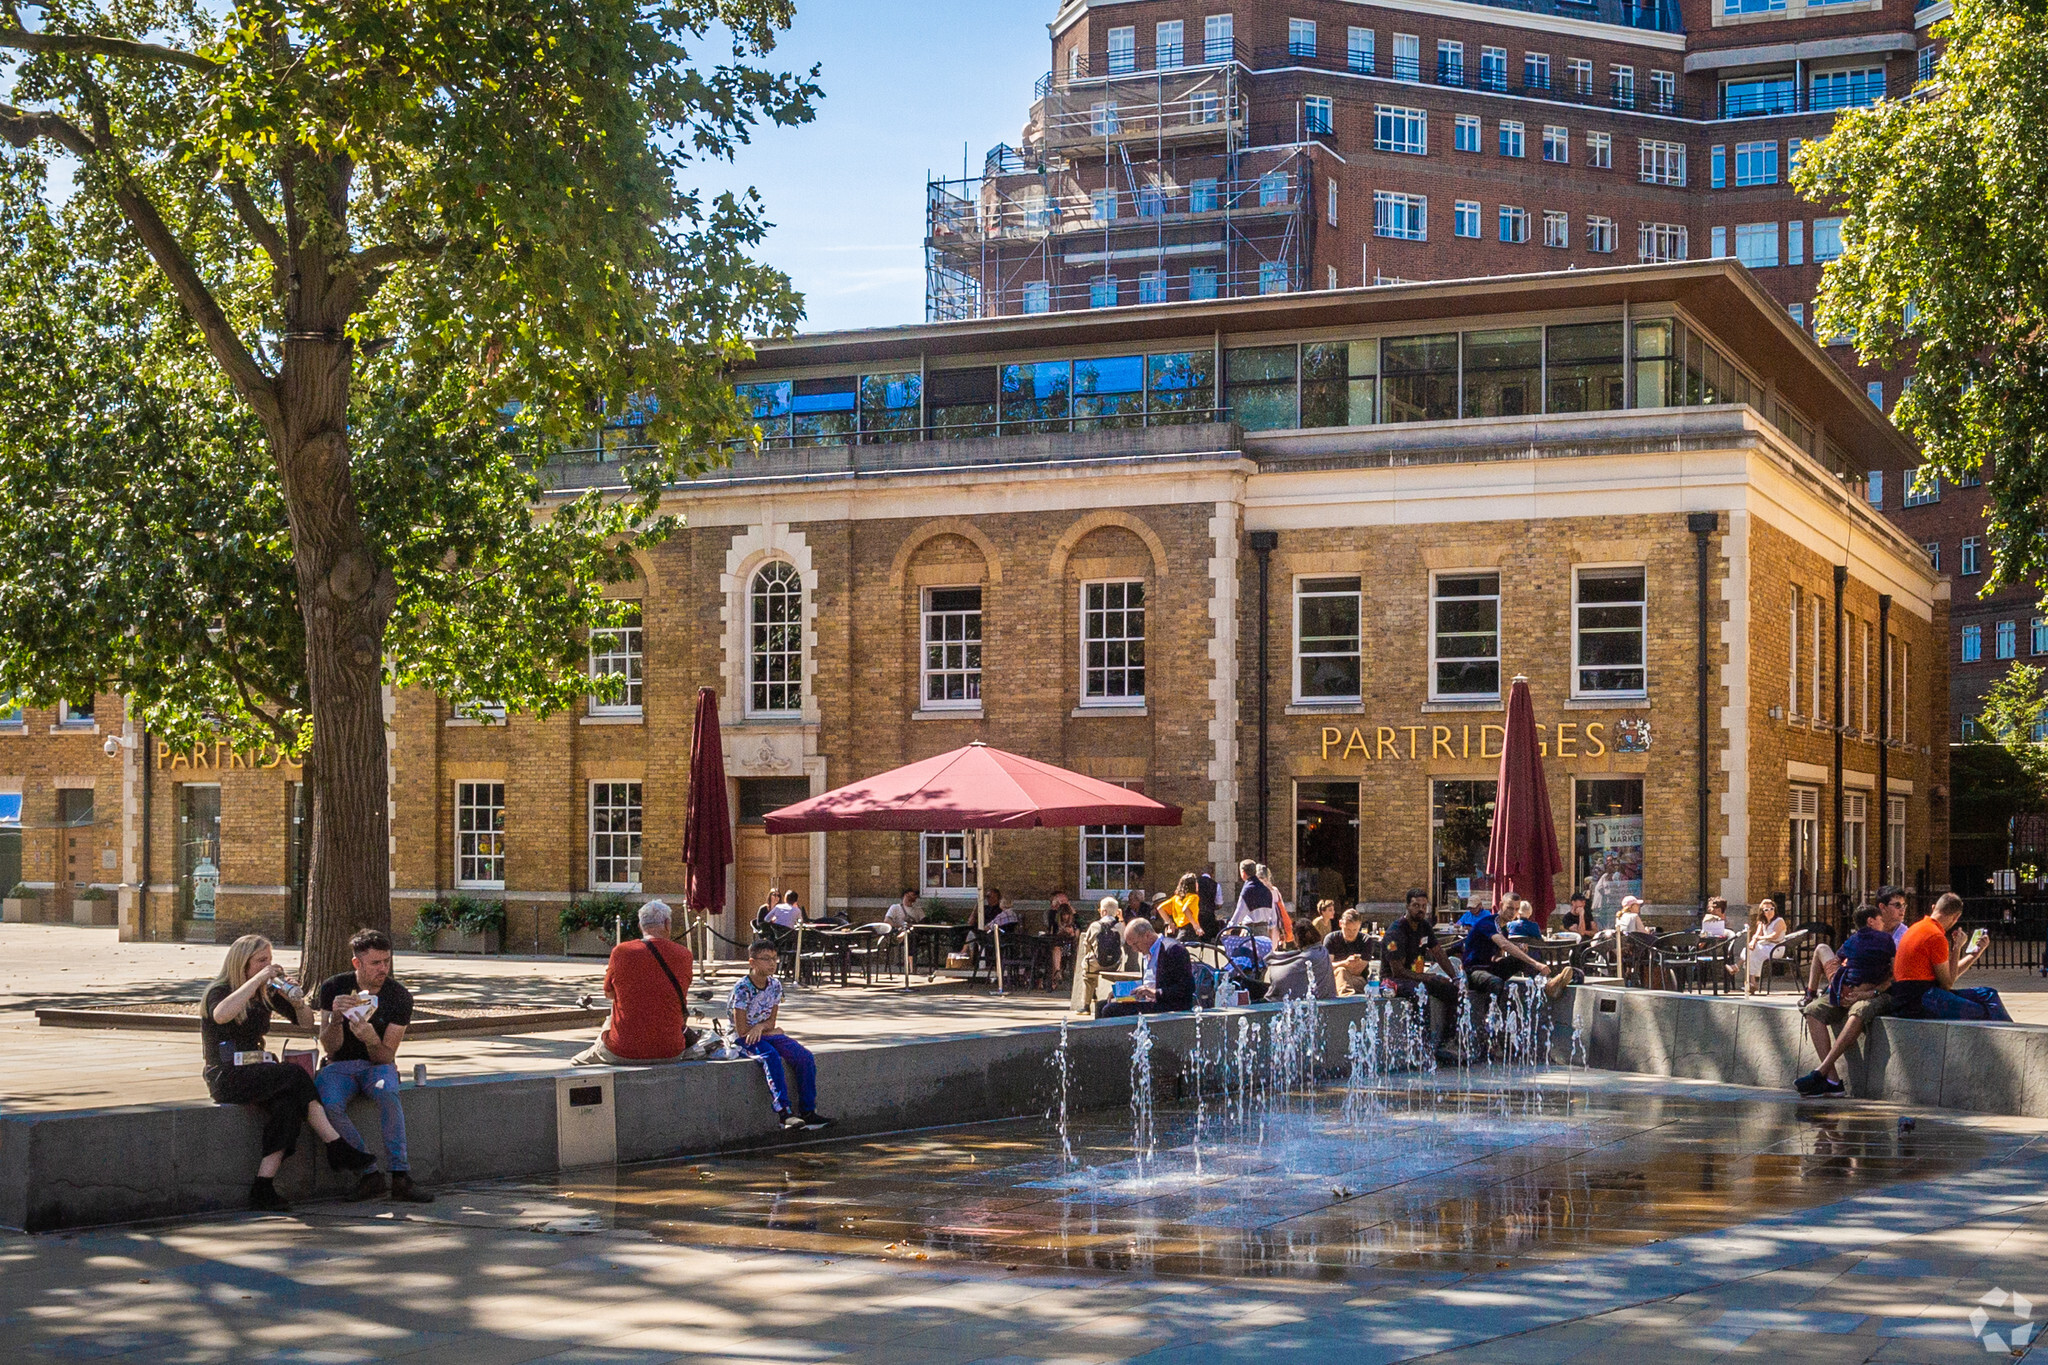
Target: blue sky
point(907, 83)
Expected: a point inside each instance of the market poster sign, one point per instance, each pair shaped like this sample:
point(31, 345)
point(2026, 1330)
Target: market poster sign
point(1412, 743)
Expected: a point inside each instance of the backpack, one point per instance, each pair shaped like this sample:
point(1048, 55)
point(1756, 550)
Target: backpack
point(1108, 945)
point(1206, 980)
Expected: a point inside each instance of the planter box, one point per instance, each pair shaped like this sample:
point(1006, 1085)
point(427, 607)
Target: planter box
point(98, 912)
point(27, 910)
point(587, 943)
point(455, 941)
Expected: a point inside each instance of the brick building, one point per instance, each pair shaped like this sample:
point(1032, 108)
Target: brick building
point(1298, 626)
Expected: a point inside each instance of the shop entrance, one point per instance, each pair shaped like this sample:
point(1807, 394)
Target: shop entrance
point(198, 849)
point(767, 865)
point(10, 840)
point(1325, 846)
point(76, 846)
point(1607, 842)
point(1460, 823)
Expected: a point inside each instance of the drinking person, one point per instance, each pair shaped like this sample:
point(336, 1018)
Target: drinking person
point(234, 1016)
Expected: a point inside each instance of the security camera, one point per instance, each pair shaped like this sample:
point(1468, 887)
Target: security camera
point(112, 747)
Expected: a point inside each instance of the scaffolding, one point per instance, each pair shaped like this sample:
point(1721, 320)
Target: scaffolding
point(1136, 188)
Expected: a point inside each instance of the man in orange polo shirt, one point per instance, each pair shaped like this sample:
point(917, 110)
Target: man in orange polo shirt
point(648, 980)
point(1925, 972)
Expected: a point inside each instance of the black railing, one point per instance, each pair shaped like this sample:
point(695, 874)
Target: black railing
point(1814, 98)
point(1612, 94)
point(2018, 926)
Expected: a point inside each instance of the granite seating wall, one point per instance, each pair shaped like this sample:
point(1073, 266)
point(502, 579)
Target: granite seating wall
point(94, 1167)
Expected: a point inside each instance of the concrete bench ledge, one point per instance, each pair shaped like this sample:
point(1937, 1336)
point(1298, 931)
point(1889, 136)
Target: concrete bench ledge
point(1982, 1068)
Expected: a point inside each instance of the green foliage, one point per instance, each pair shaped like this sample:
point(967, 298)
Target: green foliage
point(497, 203)
point(1945, 262)
point(463, 914)
point(2009, 717)
point(611, 915)
point(22, 892)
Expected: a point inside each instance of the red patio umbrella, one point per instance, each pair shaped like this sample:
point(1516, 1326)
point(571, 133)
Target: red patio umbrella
point(1522, 856)
point(975, 788)
point(707, 819)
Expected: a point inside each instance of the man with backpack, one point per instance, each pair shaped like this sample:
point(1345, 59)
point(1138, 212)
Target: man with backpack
point(648, 983)
point(1101, 950)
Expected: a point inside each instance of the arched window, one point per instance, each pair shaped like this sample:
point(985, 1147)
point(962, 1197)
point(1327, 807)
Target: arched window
point(775, 658)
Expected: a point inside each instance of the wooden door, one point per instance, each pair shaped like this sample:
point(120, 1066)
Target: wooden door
point(77, 846)
point(768, 865)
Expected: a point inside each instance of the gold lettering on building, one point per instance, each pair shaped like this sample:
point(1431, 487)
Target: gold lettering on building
point(1440, 742)
point(219, 756)
point(1593, 727)
point(1561, 739)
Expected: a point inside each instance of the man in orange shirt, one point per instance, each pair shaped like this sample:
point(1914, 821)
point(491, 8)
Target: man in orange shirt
point(1925, 972)
point(648, 981)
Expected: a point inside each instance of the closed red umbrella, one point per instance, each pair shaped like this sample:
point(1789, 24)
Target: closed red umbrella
point(1522, 854)
point(707, 819)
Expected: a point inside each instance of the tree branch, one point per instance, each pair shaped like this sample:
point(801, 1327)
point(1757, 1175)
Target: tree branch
point(21, 40)
point(382, 257)
point(22, 126)
point(261, 228)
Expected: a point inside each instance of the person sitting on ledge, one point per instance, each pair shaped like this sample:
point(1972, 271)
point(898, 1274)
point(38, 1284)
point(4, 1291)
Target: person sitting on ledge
point(647, 979)
point(755, 1001)
point(233, 1018)
point(1492, 959)
point(1167, 984)
point(1407, 950)
point(1856, 994)
point(1350, 952)
point(368, 1011)
point(1928, 965)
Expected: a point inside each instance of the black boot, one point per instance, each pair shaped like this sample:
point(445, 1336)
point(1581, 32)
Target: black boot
point(342, 1156)
point(264, 1198)
point(403, 1191)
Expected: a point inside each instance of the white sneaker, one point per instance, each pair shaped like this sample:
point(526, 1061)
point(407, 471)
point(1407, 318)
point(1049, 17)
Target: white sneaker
point(791, 1121)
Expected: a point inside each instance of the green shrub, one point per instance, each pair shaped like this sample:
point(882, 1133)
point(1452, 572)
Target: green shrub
point(611, 915)
point(433, 918)
point(22, 892)
point(91, 893)
point(463, 914)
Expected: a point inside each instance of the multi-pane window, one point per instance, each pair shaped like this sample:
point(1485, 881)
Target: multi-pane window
point(1319, 115)
point(1465, 218)
point(1202, 282)
point(1933, 549)
point(1582, 75)
point(1102, 204)
point(1621, 81)
point(1464, 636)
point(1795, 242)
point(1756, 244)
point(1113, 643)
point(1847, 89)
point(480, 834)
point(1400, 215)
point(1167, 38)
point(80, 712)
point(1557, 143)
point(1510, 137)
point(1557, 228)
point(1599, 234)
point(1924, 63)
point(1123, 51)
point(948, 862)
point(1103, 120)
point(1967, 561)
point(1359, 49)
point(1756, 163)
point(615, 653)
point(1037, 296)
point(1202, 194)
point(1395, 129)
point(1827, 239)
point(1326, 639)
point(1874, 391)
point(1661, 241)
point(1514, 223)
point(1608, 631)
point(1151, 201)
point(1152, 286)
point(1274, 277)
point(2038, 636)
point(1493, 68)
point(1217, 41)
point(1874, 486)
point(1112, 859)
point(1923, 486)
point(1792, 653)
point(1465, 136)
point(1536, 70)
point(775, 657)
point(615, 836)
point(1600, 151)
point(1663, 90)
point(1407, 57)
point(1273, 188)
point(1895, 844)
point(1102, 291)
point(1717, 167)
point(1973, 644)
point(2006, 640)
point(1660, 163)
point(952, 648)
point(1301, 37)
point(1450, 62)
point(1205, 107)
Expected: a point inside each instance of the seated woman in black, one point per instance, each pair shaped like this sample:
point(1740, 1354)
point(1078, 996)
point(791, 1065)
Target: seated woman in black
point(232, 1023)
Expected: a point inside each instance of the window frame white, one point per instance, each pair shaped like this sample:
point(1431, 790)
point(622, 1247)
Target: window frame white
point(1602, 234)
point(1513, 223)
point(1969, 557)
point(1660, 162)
point(968, 645)
point(1400, 130)
point(1303, 655)
point(1512, 133)
point(1756, 163)
point(1413, 212)
point(624, 655)
point(632, 810)
point(1319, 116)
point(1219, 38)
point(1579, 631)
point(495, 835)
point(1169, 44)
point(1467, 132)
point(1407, 61)
point(1600, 151)
point(1360, 49)
point(1126, 698)
point(1120, 49)
point(1301, 37)
point(1125, 837)
point(1749, 236)
point(793, 656)
point(1436, 578)
point(1654, 239)
point(948, 841)
point(1557, 228)
point(1557, 138)
point(1919, 493)
point(2005, 640)
point(1971, 644)
point(1464, 213)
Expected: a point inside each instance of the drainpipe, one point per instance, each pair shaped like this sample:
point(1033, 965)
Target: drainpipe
point(1884, 735)
point(1263, 544)
point(142, 895)
point(1702, 525)
point(1835, 863)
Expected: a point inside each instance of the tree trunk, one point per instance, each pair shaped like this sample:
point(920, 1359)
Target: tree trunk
point(346, 598)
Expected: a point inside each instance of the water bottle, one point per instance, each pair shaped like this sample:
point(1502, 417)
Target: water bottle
point(1372, 972)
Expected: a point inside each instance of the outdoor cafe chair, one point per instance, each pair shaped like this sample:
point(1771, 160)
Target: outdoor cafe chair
point(1790, 956)
point(1635, 957)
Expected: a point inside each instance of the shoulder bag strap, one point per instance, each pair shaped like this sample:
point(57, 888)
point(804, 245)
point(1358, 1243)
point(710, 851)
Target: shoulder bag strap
point(669, 972)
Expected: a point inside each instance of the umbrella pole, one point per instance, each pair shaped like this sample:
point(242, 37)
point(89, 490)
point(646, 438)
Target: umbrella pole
point(984, 838)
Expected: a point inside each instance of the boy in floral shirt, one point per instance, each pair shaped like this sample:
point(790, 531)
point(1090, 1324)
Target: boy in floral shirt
point(756, 999)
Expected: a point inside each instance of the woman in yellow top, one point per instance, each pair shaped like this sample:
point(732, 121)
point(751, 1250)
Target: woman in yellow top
point(1182, 910)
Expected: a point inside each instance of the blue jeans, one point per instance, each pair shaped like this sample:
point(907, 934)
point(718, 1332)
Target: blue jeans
point(773, 1051)
point(339, 1082)
point(1974, 1003)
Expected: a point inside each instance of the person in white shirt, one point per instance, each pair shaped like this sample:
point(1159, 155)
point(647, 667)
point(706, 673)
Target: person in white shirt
point(1630, 920)
point(787, 912)
point(904, 913)
point(1714, 923)
point(1766, 941)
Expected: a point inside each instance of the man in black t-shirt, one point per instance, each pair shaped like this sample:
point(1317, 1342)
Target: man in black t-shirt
point(1406, 949)
point(368, 1011)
